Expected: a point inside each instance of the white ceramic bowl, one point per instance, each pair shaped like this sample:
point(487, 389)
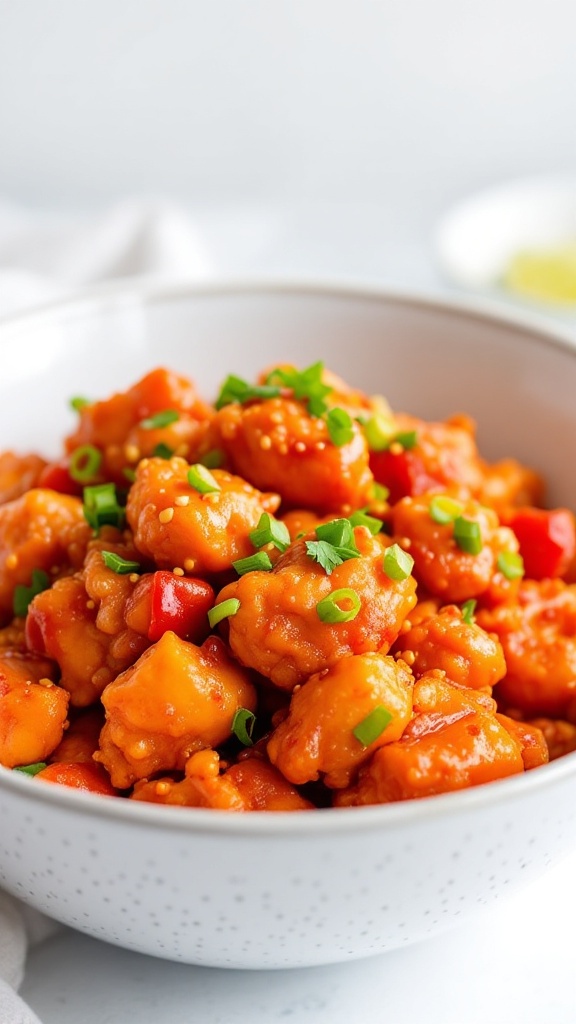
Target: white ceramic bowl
point(273, 890)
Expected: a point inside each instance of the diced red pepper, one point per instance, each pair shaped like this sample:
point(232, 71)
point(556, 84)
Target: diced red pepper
point(403, 473)
point(56, 477)
point(79, 775)
point(181, 604)
point(547, 540)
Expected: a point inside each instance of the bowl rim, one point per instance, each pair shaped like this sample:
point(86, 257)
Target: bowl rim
point(337, 821)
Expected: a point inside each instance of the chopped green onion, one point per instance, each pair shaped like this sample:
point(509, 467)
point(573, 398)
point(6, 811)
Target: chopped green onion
point(119, 565)
point(379, 492)
point(467, 535)
point(371, 727)
point(201, 479)
point(361, 518)
point(24, 595)
point(329, 608)
point(85, 463)
point(270, 531)
point(340, 426)
point(31, 769)
point(379, 431)
point(213, 459)
point(338, 532)
point(468, 609)
point(225, 610)
point(79, 403)
point(234, 389)
point(407, 438)
point(444, 509)
point(129, 474)
point(307, 386)
point(260, 562)
point(243, 726)
point(160, 419)
point(397, 563)
point(101, 506)
point(163, 451)
point(511, 564)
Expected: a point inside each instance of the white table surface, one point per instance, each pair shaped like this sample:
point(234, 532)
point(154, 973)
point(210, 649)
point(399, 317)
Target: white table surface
point(514, 964)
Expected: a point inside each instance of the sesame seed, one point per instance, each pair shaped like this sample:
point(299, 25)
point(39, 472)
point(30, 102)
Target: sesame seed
point(395, 448)
point(212, 497)
point(408, 656)
point(134, 577)
point(405, 542)
point(299, 446)
point(320, 446)
point(144, 463)
point(90, 605)
point(12, 561)
point(166, 515)
point(283, 448)
point(182, 450)
point(182, 499)
point(178, 570)
point(265, 442)
point(189, 564)
point(162, 788)
point(276, 417)
point(132, 452)
point(405, 627)
point(45, 682)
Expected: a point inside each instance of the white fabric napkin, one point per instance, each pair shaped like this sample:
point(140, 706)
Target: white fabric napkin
point(45, 256)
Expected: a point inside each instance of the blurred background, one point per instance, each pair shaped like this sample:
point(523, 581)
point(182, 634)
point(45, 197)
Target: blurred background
point(302, 136)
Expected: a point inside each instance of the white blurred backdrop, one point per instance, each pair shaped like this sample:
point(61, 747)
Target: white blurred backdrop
point(379, 111)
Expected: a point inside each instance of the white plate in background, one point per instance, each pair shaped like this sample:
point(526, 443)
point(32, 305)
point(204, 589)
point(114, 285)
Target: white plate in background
point(478, 237)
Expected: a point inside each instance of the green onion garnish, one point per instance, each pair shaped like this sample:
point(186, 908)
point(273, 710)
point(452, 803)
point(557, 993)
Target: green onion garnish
point(243, 726)
point(129, 474)
point(234, 389)
point(468, 609)
point(101, 506)
point(306, 385)
point(163, 451)
point(24, 595)
point(260, 562)
point(340, 426)
point(85, 463)
point(119, 565)
point(201, 479)
point(407, 438)
point(213, 459)
point(379, 431)
point(270, 531)
point(31, 769)
point(225, 610)
point(379, 492)
point(329, 608)
point(511, 564)
point(79, 403)
point(397, 563)
point(444, 509)
point(467, 535)
point(361, 518)
point(338, 532)
point(160, 419)
point(371, 727)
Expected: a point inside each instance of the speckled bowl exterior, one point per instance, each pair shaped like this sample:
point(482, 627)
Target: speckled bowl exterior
point(271, 890)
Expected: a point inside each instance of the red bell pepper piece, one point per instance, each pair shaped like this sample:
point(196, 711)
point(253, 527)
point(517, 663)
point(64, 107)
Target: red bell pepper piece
point(56, 477)
point(403, 473)
point(547, 540)
point(181, 604)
